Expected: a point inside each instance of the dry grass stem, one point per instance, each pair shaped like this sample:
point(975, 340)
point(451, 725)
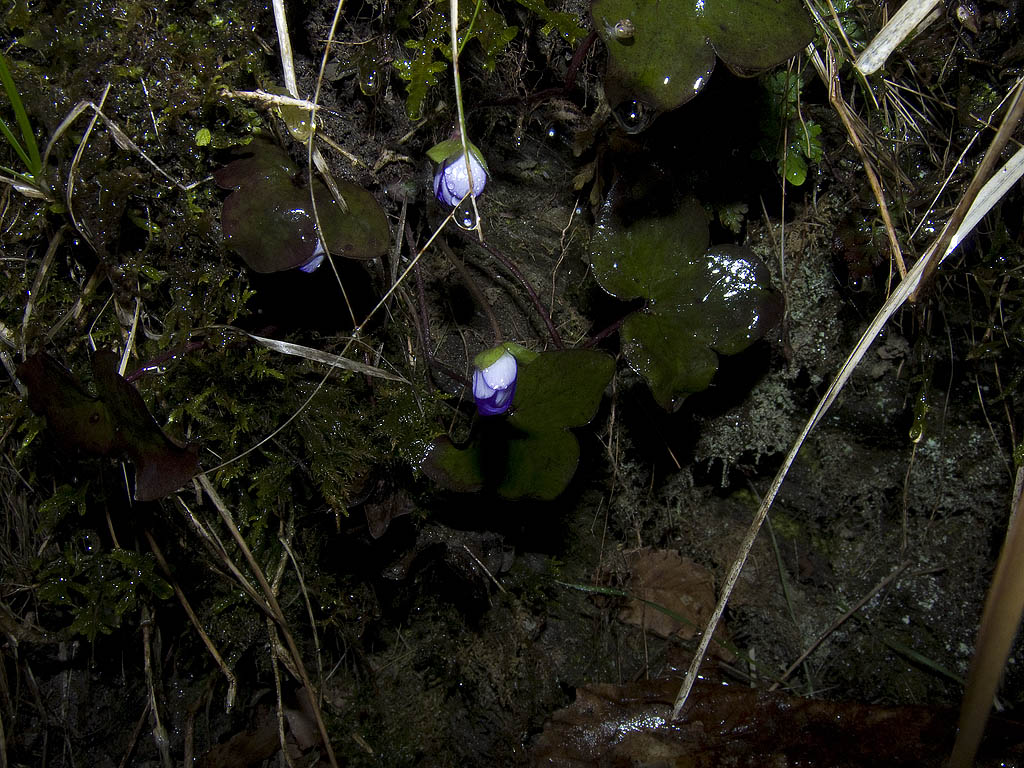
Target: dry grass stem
point(224, 668)
point(941, 247)
point(275, 610)
point(911, 15)
point(830, 74)
point(1000, 620)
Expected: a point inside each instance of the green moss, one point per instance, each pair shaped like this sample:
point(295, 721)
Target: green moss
point(98, 588)
point(429, 52)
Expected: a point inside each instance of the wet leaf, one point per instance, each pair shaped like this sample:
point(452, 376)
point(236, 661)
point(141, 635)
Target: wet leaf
point(114, 422)
point(532, 453)
point(161, 466)
point(735, 726)
point(268, 218)
point(670, 53)
point(699, 300)
point(79, 420)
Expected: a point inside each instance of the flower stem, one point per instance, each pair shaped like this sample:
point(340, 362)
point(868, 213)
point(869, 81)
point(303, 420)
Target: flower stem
point(473, 288)
point(454, 19)
point(541, 310)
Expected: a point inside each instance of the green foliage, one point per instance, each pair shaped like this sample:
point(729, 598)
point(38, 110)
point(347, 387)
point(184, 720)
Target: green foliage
point(428, 54)
point(99, 588)
point(786, 134)
point(66, 500)
point(803, 148)
point(700, 300)
point(26, 148)
point(731, 216)
point(565, 24)
point(532, 453)
point(670, 56)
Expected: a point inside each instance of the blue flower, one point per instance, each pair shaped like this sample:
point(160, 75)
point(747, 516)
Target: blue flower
point(494, 381)
point(451, 182)
point(315, 260)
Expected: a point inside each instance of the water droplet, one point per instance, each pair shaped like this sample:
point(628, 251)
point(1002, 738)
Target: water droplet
point(634, 116)
point(369, 67)
point(369, 81)
point(464, 215)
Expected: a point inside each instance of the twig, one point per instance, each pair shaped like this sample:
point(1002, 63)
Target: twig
point(473, 288)
point(903, 22)
point(831, 77)
point(159, 731)
point(839, 622)
point(981, 178)
point(37, 284)
point(232, 680)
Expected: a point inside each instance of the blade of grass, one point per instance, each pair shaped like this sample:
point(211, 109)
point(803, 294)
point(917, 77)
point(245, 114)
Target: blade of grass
point(1000, 620)
point(29, 153)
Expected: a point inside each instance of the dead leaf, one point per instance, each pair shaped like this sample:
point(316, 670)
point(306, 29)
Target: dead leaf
point(610, 725)
point(673, 596)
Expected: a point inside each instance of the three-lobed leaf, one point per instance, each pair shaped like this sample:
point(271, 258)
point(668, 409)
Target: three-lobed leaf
point(699, 300)
point(670, 53)
point(269, 220)
point(532, 453)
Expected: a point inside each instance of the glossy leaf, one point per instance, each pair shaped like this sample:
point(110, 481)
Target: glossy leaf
point(532, 453)
point(668, 55)
point(114, 422)
point(268, 218)
point(699, 300)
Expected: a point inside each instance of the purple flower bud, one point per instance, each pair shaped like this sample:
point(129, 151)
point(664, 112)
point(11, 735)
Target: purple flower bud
point(451, 182)
point(315, 260)
point(494, 386)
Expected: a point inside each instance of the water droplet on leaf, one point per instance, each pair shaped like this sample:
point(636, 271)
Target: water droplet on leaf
point(633, 115)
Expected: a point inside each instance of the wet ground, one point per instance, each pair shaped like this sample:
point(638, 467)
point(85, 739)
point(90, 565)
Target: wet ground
point(445, 628)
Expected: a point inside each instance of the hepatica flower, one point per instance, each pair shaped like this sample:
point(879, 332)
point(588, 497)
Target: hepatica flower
point(494, 381)
point(317, 259)
point(451, 181)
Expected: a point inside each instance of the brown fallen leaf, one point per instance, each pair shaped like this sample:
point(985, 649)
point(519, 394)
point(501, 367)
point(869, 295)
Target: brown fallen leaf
point(628, 725)
point(681, 588)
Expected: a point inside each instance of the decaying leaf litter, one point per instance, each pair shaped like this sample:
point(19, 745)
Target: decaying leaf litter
point(457, 629)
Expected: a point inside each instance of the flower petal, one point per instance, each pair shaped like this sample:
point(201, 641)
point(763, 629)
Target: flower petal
point(501, 373)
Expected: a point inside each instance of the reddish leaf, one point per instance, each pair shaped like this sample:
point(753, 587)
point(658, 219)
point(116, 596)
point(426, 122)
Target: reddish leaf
point(610, 725)
point(114, 422)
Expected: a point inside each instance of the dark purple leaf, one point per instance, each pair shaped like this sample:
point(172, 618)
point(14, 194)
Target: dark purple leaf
point(114, 422)
point(268, 218)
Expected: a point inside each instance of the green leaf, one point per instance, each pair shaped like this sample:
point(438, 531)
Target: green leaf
point(699, 300)
point(532, 453)
point(565, 24)
point(792, 166)
point(29, 151)
point(804, 147)
point(556, 391)
point(457, 469)
point(268, 218)
point(671, 54)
